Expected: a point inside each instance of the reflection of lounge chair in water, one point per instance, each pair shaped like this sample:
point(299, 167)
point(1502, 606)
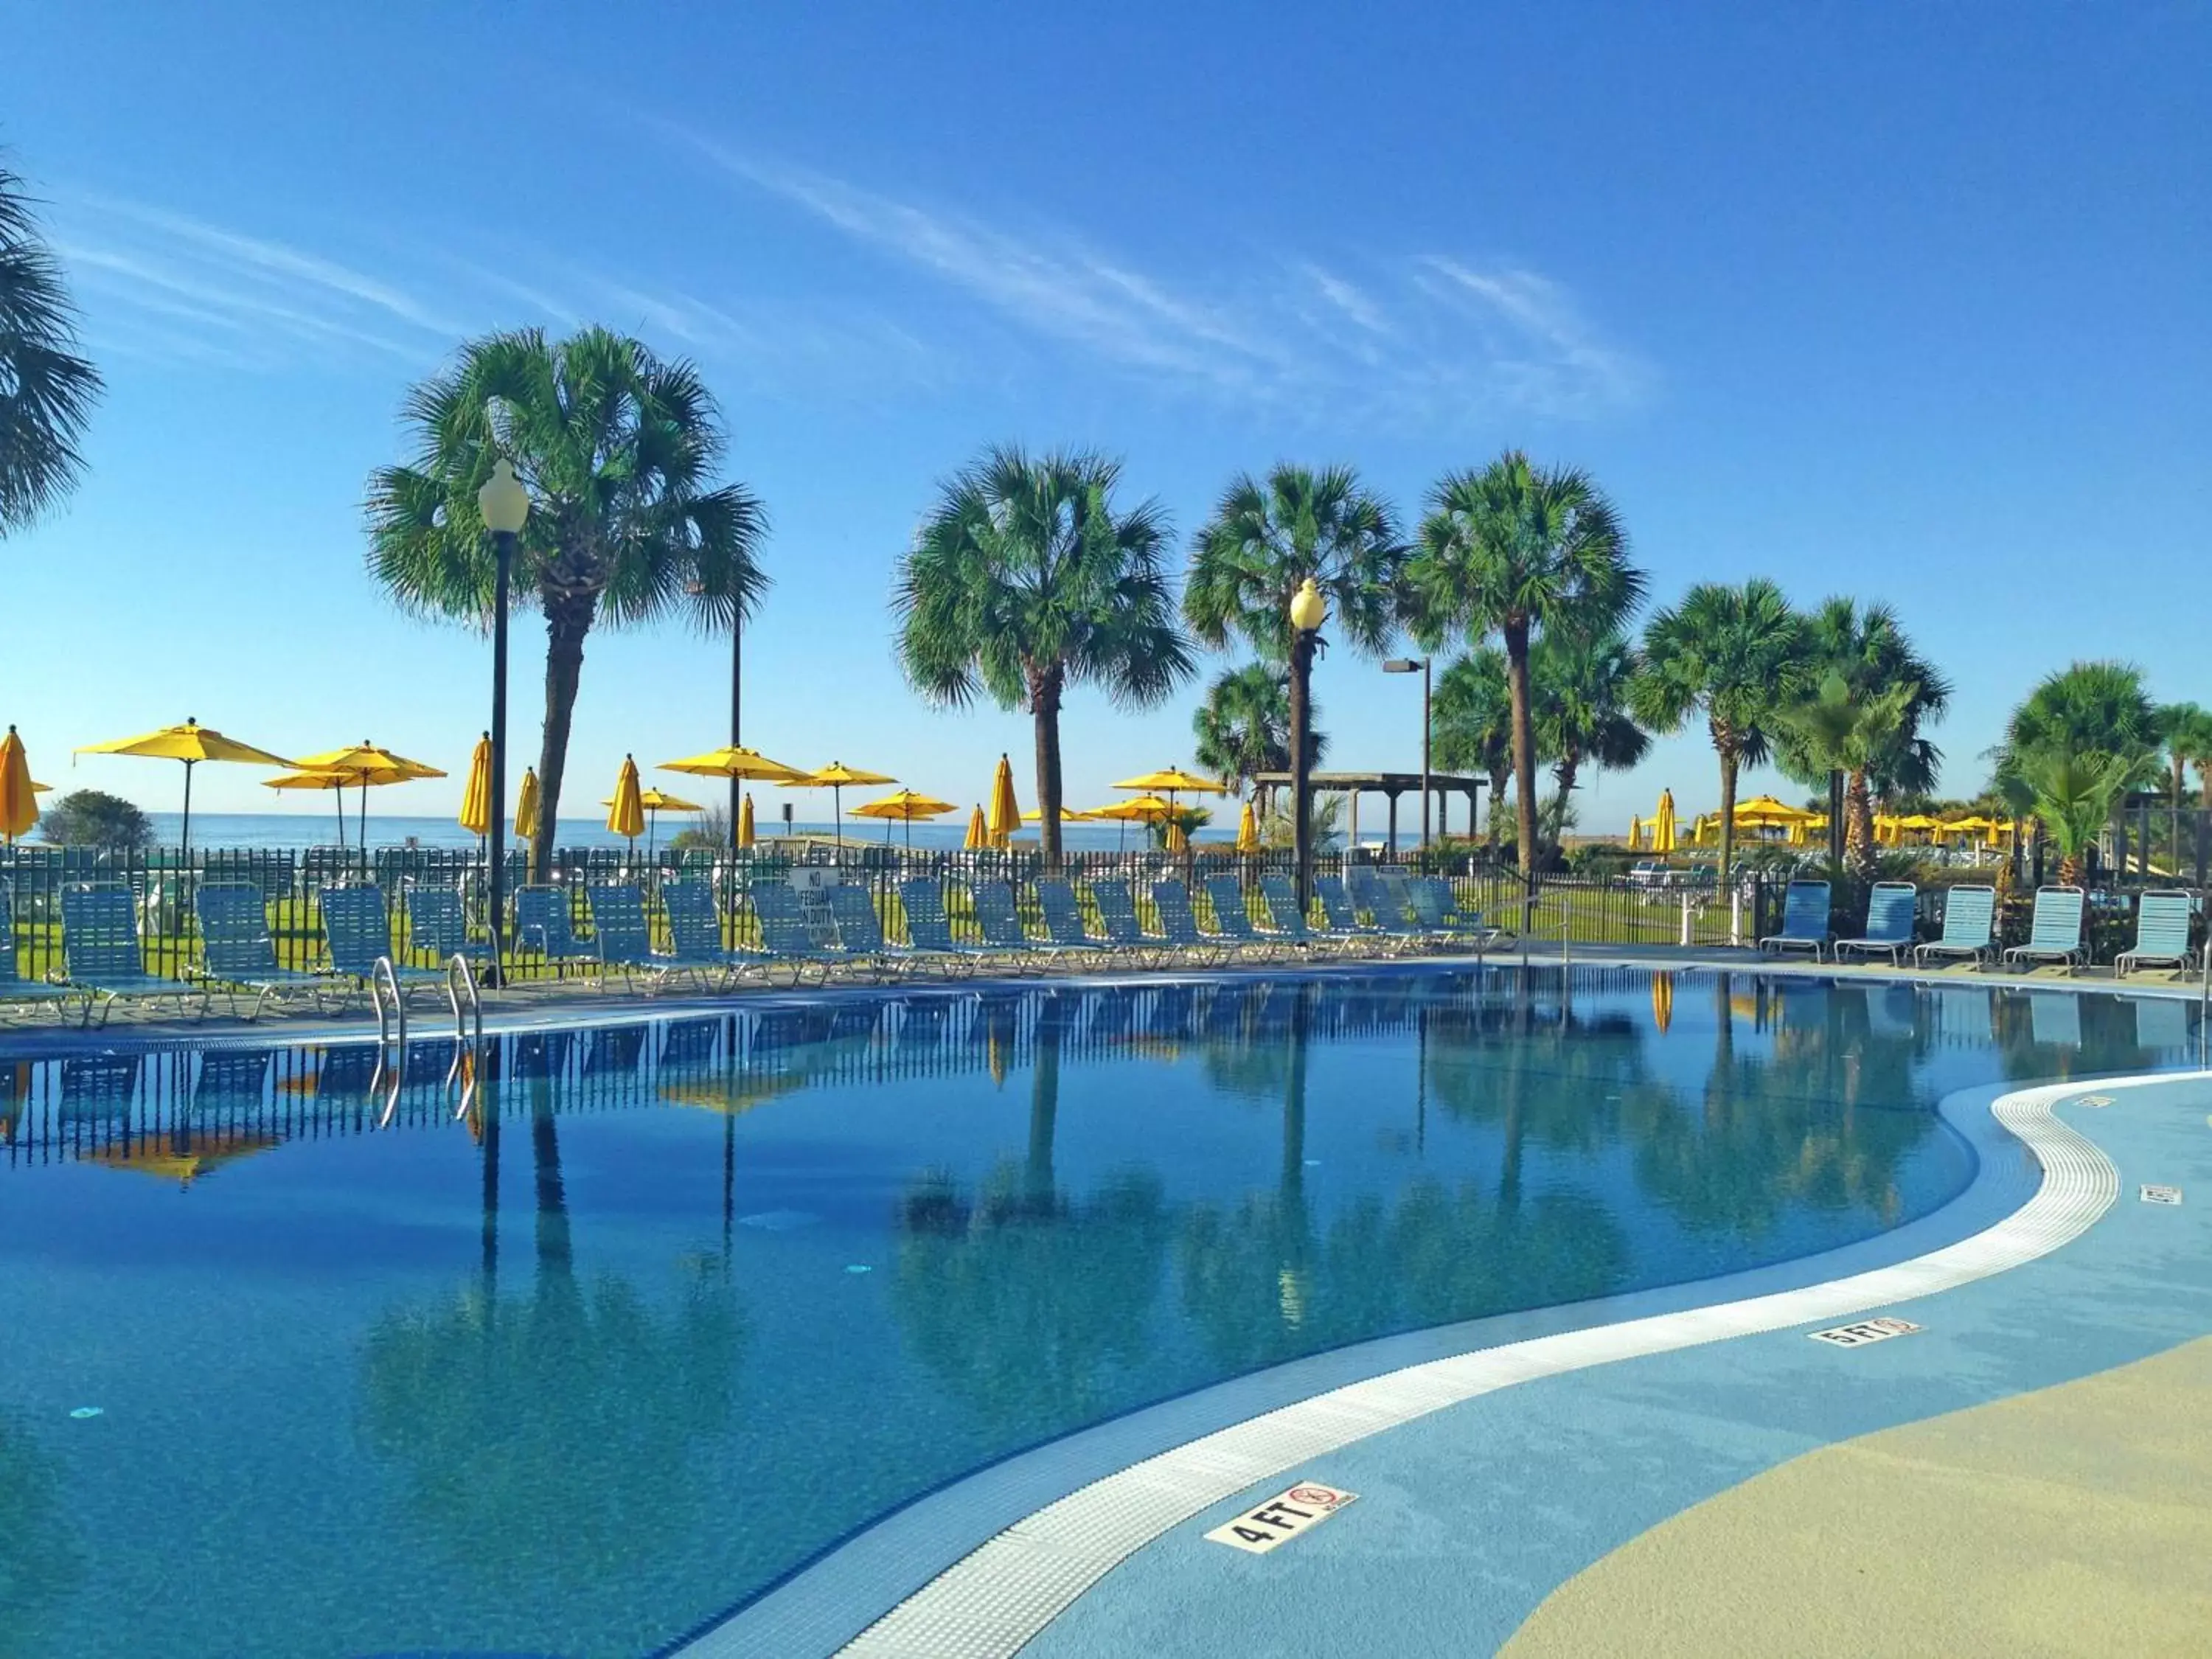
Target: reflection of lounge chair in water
point(2161, 1022)
point(99, 1089)
point(2054, 1017)
point(1963, 1016)
point(232, 1082)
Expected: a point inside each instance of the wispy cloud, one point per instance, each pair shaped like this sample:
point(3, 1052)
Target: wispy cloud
point(1427, 335)
point(159, 284)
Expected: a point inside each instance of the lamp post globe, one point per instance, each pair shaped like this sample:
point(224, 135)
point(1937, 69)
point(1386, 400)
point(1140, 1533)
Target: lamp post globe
point(1308, 612)
point(504, 506)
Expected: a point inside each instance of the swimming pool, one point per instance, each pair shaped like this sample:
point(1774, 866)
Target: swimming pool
point(298, 1361)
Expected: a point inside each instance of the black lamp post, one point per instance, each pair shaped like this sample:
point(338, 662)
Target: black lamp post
point(504, 505)
point(1308, 612)
point(1407, 666)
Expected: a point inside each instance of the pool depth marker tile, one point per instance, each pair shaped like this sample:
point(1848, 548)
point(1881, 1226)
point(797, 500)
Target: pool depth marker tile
point(990, 1603)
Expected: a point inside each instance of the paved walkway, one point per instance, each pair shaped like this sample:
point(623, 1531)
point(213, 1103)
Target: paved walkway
point(1767, 1495)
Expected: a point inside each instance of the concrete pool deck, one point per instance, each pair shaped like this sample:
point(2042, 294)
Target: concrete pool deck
point(2025, 1474)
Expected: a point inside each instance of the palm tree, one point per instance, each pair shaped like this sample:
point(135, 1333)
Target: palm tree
point(47, 391)
point(1026, 579)
point(1472, 725)
point(2187, 729)
point(1523, 552)
point(1870, 651)
point(1265, 541)
point(1736, 655)
point(2082, 727)
point(1244, 726)
point(617, 449)
point(2072, 793)
point(1581, 690)
point(1839, 729)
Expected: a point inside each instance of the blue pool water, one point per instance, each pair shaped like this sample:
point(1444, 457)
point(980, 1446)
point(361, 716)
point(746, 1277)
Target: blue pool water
point(297, 1362)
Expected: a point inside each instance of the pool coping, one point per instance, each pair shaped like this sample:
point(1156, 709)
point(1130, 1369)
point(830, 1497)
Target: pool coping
point(980, 1566)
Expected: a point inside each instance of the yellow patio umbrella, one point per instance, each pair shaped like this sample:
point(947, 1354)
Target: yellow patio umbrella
point(655, 802)
point(904, 807)
point(1765, 809)
point(734, 760)
point(1176, 840)
point(475, 799)
point(525, 806)
point(191, 743)
point(185, 1158)
point(833, 777)
point(1142, 810)
point(336, 782)
point(1248, 830)
point(733, 1094)
point(745, 821)
point(1663, 1001)
point(1635, 835)
point(1067, 815)
point(626, 814)
point(979, 832)
point(19, 796)
point(368, 766)
point(1175, 781)
point(1662, 823)
point(1006, 810)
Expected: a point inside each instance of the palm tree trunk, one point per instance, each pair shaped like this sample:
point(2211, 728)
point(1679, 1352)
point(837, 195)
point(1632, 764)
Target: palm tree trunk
point(1525, 743)
point(1858, 823)
point(567, 622)
point(1301, 655)
point(1044, 1115)
point(1044, 704)
point(1563, 774)
point(1725, 744)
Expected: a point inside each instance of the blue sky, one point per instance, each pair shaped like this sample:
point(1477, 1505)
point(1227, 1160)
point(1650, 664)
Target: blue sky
point(1901, 300)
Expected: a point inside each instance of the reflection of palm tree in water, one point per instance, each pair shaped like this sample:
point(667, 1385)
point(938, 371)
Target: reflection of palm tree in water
point(1026, 1302)
point(548, 1441)
point(1263, 1287)
point(40, 1565)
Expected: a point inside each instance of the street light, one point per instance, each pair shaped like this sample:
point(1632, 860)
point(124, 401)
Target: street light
point(1407, 666)
point(504, 505)
point(1308, 611)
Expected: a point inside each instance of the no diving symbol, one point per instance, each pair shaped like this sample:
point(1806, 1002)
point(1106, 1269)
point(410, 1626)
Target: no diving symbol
point(1320, 1496)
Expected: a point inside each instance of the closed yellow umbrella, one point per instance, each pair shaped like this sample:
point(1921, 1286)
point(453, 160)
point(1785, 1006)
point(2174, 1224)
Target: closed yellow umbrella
point(1006, 810)
point(475, 799)
point(746, 822)
point(1177, 841)
point(654, 803)
point(1635, 835)
point(1662, 823)
point(19, 796)
point(1248, 830)
point(525, 806)
point(979, 832)
point(626, 816)
point(1663, 1001)
point(191, 743)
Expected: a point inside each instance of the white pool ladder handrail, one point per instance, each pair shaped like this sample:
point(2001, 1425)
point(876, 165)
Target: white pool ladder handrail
point(383, 977)
point(461, 978)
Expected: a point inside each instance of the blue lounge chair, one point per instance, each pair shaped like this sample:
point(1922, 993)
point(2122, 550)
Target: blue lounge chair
point(929, 929)
point(2054, 933)
point(2161, 933)
point(357, 930)
point(1343, 915)
point(1125, 930)
point(542, 923)
point(237, 953)
point(14, 987)
point(1063, 919)
point(1804, 920)
point(1393, 920)
point(438, 926)
point(1232, 921)
point(106, 963)
point(1287, 922)
point(1437, 909)
point(786, 937)
point(861, 934)
point(1001, 923)
point(622, 938)
point(694, 932)
point(1892, 907)
point(1969, 922)
point(1179, 926)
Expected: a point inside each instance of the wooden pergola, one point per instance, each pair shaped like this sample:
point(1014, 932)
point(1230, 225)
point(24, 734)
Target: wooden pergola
point(1390, 786)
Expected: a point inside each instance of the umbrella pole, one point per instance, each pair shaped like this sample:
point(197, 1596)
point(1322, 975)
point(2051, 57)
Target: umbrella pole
point(837, 809)
point(340, 793)
point(185, 835)
point(363, 836)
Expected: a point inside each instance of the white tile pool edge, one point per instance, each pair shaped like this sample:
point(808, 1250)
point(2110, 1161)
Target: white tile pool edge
point(994, 1601)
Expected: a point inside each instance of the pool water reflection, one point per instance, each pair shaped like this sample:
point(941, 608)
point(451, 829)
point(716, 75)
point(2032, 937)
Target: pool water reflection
point(673, 1306)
